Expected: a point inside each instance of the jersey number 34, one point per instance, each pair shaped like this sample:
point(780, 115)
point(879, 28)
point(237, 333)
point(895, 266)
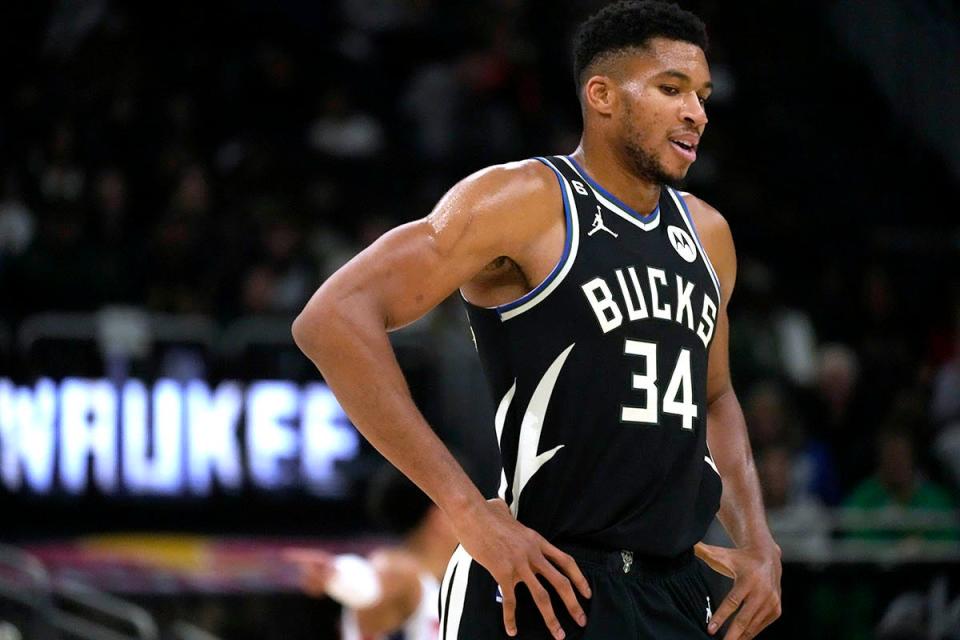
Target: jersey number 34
point(678, 397)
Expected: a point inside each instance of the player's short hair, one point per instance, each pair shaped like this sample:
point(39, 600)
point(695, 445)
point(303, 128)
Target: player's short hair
point(630, 24)
point(394, 503)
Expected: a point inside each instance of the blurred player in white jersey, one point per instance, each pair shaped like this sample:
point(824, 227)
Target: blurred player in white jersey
point(392, 593)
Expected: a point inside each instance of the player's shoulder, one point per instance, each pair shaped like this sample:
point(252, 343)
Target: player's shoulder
point(714, 232)
point(707, 219)
point(504, 204)
point(527, 179)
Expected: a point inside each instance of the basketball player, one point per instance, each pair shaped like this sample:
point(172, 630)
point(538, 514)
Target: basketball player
point(394, 592)
point(598, 297)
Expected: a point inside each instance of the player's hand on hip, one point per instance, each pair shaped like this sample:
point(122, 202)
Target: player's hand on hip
point(316, 569)
point(513, 553)
point(756, 588)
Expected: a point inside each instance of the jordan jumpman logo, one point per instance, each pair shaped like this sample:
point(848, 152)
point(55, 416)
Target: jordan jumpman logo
point(598, 225)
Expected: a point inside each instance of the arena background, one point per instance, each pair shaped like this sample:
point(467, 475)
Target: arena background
point(178, 178)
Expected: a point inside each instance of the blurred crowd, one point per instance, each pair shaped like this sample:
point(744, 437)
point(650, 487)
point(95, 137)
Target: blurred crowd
point(186, 159)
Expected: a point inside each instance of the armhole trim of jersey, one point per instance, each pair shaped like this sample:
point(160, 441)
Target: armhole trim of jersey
point(646, 222)
point(688, 220)
point(560, 270)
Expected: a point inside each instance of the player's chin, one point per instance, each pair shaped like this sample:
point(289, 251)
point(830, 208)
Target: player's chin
point(676, 174)
point(674, 169)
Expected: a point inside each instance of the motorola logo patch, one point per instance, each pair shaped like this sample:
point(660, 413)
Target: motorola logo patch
point(683, 243)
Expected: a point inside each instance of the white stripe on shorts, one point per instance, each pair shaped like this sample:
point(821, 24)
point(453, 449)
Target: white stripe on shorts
point(452, 613)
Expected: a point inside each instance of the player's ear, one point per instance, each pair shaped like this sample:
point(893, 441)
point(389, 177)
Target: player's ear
point(599, 94)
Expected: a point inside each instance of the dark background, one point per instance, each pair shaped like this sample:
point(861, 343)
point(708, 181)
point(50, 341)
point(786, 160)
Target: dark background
point(219, 160)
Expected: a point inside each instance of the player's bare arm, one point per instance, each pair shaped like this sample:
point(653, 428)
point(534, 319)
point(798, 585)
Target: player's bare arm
point(400, 576)
point(755, 563)
point(397, 586)
point(484, 234)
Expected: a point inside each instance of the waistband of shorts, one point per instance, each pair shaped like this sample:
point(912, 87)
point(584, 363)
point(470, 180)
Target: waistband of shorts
point(630, 562)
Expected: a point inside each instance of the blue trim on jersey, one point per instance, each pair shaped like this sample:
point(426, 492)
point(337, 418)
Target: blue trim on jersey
point(706, 258)
point(566, 247)
point(617, 201)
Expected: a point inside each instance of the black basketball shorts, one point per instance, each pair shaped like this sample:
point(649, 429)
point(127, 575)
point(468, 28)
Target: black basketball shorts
point(633, 598)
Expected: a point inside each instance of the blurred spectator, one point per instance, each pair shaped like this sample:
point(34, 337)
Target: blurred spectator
point(886, 355)
point(71, 22)
point(898, 484)
point(343, 131)
point(17, 222)
point(945, 401)
point(837, 415)
point(110, 207)
point(283, 280)
point(379, 15)
point(770, 420)
point(488, 79)
point(9, 632)
point(395, 591)
point(770, 339)
point(330, 250)
point(62, 180)
point(430, 102)
point(773, 423)
point(797, 519)
point(192, 196)
point(945, 412)
point(46, 275)
point(179, 260)
point(117, 238)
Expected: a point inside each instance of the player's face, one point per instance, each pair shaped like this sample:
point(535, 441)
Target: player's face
point(661, 115)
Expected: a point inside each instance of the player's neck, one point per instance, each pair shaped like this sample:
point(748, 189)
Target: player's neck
point(602, 164)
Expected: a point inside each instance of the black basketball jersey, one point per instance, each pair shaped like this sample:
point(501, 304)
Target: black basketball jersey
point(599, 376)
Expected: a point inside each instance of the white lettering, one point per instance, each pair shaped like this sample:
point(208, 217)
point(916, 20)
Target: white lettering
point(684, 308)
point(9, 438)
point(170, 439)
point(638, 312)
point(27, 435)
point(271, 441)
point(327, 438)
point(654, 275)
point(709, 315)
point(88, 428)
point(212, 445)
point(159, 472)
point(601, 300)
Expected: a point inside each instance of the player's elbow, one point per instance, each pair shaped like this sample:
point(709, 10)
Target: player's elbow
point(300, 329)
point(311, 325)
point(302, 332)
point(331, 324)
